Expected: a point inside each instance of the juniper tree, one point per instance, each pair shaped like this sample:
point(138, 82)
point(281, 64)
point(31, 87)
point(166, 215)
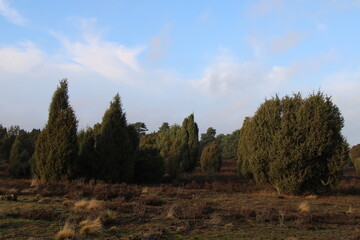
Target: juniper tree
point(87, 164)
point(149, 165)
point(229, 144)
point(7, 138)
point(190, 144)
point(355, 157)
point(170, 145)
point(21, 153)
point(116, 145)
point(56, 147)
point(211, 159)
point(207, 137)
point(295, 144)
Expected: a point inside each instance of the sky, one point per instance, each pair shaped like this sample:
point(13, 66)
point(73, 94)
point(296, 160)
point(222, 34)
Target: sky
point(167, 59)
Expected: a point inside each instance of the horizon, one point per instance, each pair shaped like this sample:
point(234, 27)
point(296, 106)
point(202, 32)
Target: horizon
point(168, 60)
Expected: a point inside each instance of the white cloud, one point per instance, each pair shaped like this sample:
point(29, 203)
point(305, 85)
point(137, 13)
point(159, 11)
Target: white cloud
point(280, 75)
point(285, 43)
point(344, 89)
point(159, 43)
point(11, 14)
point(228, 75)
point(111, 60)
point(20, 59)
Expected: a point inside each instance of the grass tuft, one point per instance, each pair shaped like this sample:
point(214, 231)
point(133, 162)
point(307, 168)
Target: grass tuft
point(304, 207)
point(66, 233)
point(90, 227)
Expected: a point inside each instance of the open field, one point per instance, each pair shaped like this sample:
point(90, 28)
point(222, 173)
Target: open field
point(195, 207)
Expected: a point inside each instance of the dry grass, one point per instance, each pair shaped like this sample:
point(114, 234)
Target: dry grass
point(88, 205)
point(91, 226)
point(67, 232)
point(304, 207)
point(194, 207)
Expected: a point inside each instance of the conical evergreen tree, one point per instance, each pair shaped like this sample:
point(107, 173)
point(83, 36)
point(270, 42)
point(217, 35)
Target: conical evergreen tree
point(190, 143)
point(56, 147)
point(116, 145)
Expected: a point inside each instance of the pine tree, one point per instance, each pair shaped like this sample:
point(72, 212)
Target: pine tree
point(116, 145)
point(56, 147)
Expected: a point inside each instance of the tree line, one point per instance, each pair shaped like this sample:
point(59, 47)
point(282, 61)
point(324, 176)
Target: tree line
point(293, 143)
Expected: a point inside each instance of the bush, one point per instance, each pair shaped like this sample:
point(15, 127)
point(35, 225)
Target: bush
point(354, 154)
point(149, 166)
point(211, 158)
point(295, 144)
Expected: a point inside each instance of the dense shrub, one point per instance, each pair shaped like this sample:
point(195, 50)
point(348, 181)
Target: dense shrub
point(56, 147)
point(355, 157)
point(211, 159)
point(149, 165)
point(294, 144)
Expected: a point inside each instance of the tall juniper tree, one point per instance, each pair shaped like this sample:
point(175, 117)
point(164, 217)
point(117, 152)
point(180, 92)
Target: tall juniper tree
point(116, 145)
point(56, 147)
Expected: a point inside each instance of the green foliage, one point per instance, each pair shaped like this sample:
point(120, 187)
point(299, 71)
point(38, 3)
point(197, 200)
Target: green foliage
point(179, 146)
point(170, 145)
point(355, 157)
point(211, 159)
point(245, 149)
point(164, 127)
point(149, 166)
point(190, 142)
point(294, 144)
point(229, 144)
point(7, 138)
point(140, 127)
point(149, 140)
point(207, 138)
point(87, 164)
point(56, 147)
point(116, 145)
point(21, 152)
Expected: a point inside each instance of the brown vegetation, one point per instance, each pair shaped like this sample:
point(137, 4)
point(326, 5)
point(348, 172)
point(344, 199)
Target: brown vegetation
point(196, 206)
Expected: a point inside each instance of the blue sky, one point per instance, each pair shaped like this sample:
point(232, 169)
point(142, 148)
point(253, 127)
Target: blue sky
point(167, 59)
